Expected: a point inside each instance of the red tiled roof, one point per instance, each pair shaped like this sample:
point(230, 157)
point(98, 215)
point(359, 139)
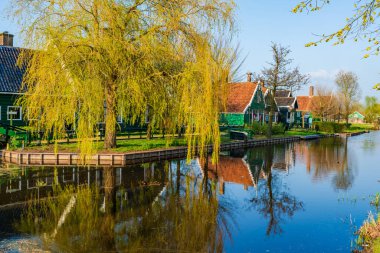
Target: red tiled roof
point(318, 101)
point(231, 169)
point(303, 103)
point(306, 103)
point(239, 96)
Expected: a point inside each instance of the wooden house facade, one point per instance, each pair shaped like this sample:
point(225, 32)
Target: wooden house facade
point(310, 106)
point(11, 76)
point(287, 106)
point(356, 117)
point(245, 104)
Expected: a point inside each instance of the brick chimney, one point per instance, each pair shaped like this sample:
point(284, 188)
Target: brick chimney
point(262, 82)
point(311, 91)
point(6, 39)
point(249, 77)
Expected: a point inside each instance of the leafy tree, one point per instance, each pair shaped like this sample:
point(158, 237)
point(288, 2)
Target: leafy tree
point(97, 59)
point(324, 105)
point(348, 87)
point(363, 24)
point(279, 76)
point(372, 109)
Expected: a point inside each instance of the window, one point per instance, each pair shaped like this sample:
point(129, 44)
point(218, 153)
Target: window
point(14, 113)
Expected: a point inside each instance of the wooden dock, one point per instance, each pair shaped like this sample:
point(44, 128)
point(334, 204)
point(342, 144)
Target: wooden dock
point(123, 159)
point(345, 135)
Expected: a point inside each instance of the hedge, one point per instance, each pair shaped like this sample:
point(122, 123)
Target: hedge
point(329, 127)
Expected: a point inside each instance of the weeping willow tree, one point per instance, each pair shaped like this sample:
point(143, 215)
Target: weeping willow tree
point(95, 60)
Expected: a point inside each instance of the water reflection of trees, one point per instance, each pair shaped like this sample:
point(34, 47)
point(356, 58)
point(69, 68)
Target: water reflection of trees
point(272, 198)
point(329, 156)
point(183, 214)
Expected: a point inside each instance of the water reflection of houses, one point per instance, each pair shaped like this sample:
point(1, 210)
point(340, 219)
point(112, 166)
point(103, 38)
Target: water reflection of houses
point(323, 156)
point(248, 167)
point(283, 157)
point(233, 170)
point(29, 183)
point(328, 157)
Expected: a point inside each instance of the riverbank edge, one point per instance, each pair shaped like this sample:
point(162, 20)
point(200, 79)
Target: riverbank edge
point(122, 159)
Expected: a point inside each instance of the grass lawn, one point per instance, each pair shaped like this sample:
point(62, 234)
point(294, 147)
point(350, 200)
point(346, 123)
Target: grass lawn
point(123, 146)
point(301, 132)
point(360, 127)
point(134, 144)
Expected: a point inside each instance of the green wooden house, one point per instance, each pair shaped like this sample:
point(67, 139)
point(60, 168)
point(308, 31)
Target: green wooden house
point(356, 117)
point(10, 82)
point(245, 104)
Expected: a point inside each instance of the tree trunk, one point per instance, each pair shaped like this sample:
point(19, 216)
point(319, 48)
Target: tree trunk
point(111, 114)
point(271, 113)
point(109, 189)
point(270, 122)
point(178, 181)
point(149, 132)
point(347, 113)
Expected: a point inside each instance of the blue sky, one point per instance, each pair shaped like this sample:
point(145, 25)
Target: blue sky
point(260, 22)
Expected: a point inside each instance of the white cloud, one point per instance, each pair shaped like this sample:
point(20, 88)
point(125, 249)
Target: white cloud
point(323, 76)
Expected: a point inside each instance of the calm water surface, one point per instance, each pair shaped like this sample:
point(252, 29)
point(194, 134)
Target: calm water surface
point(299, 197)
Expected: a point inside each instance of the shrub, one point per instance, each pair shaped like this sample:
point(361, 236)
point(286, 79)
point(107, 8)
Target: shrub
point(264, 129)
point(278, 128)
point(15, 143)
point(258, 128)
point(329, 127)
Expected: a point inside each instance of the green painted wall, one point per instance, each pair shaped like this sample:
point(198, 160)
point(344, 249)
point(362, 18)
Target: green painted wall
point(232, 119)
point(257, 106)
point(298, 117)
point(258, 102)
point(9, 100)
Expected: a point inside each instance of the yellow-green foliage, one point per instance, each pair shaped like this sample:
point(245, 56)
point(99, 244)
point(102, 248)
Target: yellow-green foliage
point(362, 24)
point(165, 59)
point(81, 219)
point(369, 234)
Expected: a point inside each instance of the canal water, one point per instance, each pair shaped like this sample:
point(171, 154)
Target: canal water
point(309, 196)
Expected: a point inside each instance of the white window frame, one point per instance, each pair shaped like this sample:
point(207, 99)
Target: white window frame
point(20, 108)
